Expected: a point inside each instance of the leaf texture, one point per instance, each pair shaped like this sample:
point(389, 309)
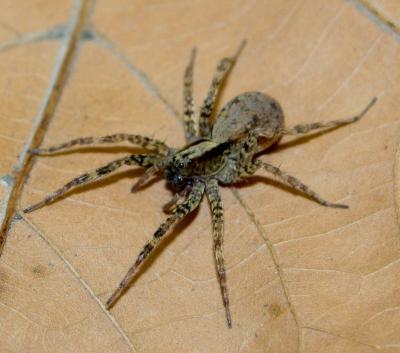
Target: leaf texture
point(302, 277)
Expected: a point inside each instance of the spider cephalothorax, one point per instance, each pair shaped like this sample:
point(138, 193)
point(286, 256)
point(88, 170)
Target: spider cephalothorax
point(220, 153)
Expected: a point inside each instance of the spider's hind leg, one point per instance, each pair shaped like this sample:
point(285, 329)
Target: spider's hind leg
point(220, 75)
point(173, 202)
point(293, 182)
point(182, 210)
point(217, 212)
point(305, 128)
point(143, 179)
point(142, 160)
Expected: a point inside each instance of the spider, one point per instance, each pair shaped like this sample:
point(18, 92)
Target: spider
point(223, 153)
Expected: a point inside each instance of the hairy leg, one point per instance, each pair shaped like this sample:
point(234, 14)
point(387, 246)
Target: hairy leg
point(146, 176)
point(293, 182)
point(217, 212)
point(305, 128)
point(142, 141)
point(182, 210)
point(207, 108)
point(188, 102)
point(142, 160)
point(171, 204)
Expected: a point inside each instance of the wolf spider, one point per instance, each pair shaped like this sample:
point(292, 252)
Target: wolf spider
point(220, 153)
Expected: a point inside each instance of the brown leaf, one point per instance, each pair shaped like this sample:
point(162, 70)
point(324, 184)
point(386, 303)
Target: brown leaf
point(302, 277)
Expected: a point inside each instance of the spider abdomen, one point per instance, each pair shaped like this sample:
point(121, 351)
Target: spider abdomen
point(249, 112)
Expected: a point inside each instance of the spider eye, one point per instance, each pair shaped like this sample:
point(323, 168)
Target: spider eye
point(180, 165)
point(179, 180)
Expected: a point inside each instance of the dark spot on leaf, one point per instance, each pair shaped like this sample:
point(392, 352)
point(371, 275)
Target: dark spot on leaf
point(39, 271)
point(275, 310)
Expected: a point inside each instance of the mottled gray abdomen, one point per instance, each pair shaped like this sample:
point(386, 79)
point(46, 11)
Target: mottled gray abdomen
point(249, 112)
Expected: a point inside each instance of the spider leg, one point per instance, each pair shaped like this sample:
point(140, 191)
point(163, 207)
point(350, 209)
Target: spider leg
point(142, 141)
point(134, 159)
point(171, 204)
point(182, 210)
point(293, 182)
point(142, 180)
point(217, 212)
point(207, 108)
point(188, 102)
point(305, 128)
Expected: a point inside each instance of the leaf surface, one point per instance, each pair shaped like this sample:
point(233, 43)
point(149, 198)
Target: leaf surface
point(301, 277)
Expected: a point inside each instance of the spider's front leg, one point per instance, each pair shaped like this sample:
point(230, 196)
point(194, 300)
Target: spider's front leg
point(142, 141)
point(292, 181)
point(142, 160)
point(192, 202)
point(217, 212)
point(171, 204)
point(220, 75)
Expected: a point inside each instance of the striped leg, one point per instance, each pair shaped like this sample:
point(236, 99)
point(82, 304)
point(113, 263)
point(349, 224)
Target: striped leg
point(223, 69)
point(293, 182)
point(142, 141)
point(188, 102)
point(217, 212)
point(171, 204)
point(143, 179)
point(305, 128)
point(142, 160)
point(183, 209)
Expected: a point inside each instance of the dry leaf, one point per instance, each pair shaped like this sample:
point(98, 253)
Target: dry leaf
point(302, 278)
